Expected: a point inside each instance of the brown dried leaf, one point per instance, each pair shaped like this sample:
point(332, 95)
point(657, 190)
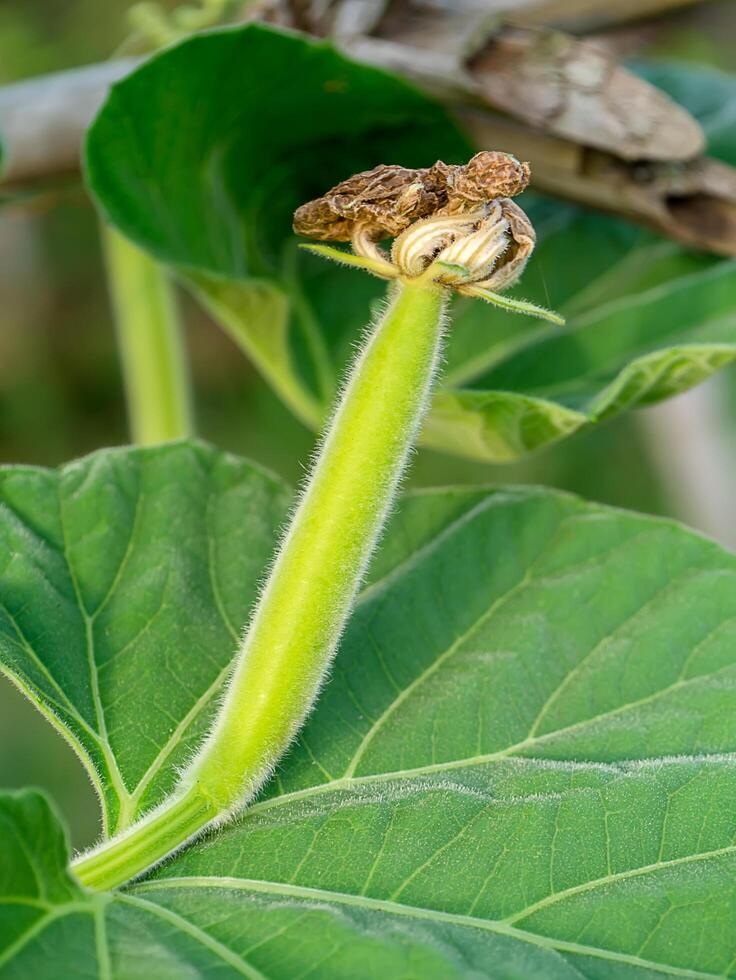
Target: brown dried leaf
point(586, 14)
point(386, 199)
point(692, 201)
point(576, 89)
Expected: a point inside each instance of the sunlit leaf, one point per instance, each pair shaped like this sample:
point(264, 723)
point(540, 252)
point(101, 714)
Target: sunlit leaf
point(523, 764)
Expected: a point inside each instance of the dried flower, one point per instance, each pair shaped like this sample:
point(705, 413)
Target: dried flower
point(453, 225)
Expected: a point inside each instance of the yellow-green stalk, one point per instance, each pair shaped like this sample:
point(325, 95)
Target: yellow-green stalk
point(148, 331)
point(475, 247)
point(310, 590)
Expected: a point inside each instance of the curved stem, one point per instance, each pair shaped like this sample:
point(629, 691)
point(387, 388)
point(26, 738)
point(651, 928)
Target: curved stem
point(149, 340)
point(310, 590)
point(177, 820)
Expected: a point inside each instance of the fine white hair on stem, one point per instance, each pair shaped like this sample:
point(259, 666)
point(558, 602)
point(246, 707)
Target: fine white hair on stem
point(339, 514)
point(349, 582)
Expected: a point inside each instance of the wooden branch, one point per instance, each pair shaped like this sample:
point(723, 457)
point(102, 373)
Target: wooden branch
point(575, 89)
point(693, 202)
point(557, 84)
point(407, 19)
point(584, 15)
point(593, 132)
point(43, 121)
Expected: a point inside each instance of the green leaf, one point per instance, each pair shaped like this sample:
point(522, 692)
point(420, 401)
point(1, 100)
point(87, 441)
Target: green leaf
point(631, 351)
point(111, 566)
point(523, 765)
point(497, 425)
point(202, 164)
point(41, 906)
point(256, 316)
point(202, 155)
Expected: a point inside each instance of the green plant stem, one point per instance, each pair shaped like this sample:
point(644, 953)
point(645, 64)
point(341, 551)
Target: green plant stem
point(149, 339)
point(310, 590)
point(255, 314)
point(145, 843)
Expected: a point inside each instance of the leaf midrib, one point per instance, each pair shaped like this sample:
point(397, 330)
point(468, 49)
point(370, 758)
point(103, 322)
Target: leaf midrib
point(499, 927)
point(620, 766)
point(199, 935)
point(125, 814)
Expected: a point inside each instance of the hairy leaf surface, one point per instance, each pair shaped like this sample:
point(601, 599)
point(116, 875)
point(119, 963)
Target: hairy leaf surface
point(523, 764)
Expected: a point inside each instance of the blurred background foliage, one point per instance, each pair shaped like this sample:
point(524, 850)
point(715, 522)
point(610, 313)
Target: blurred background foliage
point(60, 386)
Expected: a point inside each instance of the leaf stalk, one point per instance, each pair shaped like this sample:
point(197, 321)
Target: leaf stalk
point(148, 331)
point(302, 610)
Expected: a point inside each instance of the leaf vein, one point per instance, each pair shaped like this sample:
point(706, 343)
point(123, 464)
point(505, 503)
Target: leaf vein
point(433, 915)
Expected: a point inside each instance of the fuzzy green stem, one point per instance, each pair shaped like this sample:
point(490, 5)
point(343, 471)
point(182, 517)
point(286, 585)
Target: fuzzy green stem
point(326, 550)
point(181, 817)
point(149, 340)
point(310, 590)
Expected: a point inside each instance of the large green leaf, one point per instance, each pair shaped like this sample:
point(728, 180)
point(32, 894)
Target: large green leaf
point(631, 351)
point(48, 924)
point(110, 567)
point(523, 764)
point(202, 154)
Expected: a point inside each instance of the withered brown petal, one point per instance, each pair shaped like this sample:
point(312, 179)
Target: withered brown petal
point(488, 175)
point(389, 198)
